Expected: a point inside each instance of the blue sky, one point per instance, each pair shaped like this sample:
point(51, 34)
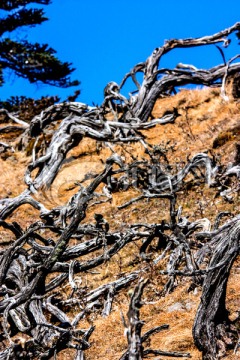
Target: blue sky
point(105, 39)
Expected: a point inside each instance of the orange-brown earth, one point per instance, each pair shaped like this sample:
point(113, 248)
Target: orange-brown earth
point(207, 123)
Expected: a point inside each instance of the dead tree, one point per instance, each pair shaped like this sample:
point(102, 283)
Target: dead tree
point(35, 262)
point(136, 349)
point(212, 331)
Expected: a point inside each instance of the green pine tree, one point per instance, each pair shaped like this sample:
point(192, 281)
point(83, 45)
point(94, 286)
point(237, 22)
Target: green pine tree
point(35, 62)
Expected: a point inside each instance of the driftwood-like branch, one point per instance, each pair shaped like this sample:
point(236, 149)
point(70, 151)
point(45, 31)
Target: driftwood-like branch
point(14, 118)
point(212, 331)
point(136, 349)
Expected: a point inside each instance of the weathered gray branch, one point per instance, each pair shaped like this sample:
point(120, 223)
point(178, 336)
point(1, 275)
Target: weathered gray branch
point(212, 326)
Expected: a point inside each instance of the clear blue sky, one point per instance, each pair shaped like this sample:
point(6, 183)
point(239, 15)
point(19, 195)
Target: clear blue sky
point(104, 39)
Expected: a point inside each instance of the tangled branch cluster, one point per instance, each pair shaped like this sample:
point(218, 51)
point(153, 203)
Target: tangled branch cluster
point(42, 258)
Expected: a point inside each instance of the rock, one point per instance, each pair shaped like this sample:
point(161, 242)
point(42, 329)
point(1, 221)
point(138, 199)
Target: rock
point(176, 307)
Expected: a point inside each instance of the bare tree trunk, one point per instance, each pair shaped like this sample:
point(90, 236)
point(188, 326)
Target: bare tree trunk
point(212, 329)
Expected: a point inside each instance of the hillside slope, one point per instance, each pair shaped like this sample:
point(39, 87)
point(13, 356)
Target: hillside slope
point(207, 124)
